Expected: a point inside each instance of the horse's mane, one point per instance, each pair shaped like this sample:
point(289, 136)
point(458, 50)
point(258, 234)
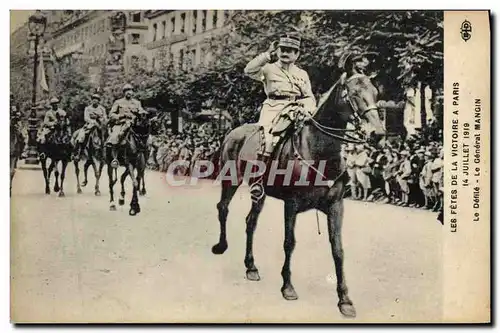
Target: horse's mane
point(325, 100)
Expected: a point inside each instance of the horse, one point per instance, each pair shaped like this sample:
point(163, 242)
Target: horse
point(317, 139)
point(94, 151)
point(59, 149)
point(16, 145)
point(131, 155)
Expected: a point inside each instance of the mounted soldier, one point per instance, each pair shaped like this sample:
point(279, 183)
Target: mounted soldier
point(54, 116)
point(95, 117)
point(123, 113)
point(287, 87)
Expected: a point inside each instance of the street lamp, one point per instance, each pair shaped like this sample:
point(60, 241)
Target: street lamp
point(36, 25)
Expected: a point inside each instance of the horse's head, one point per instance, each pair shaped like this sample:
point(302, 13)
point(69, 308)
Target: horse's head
point(361, 95)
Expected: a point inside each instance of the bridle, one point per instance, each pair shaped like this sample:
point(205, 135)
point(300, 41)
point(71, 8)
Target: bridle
point(341, 134)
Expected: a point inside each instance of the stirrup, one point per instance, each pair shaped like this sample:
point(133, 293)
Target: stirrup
point(257, 191)
point(114, 163)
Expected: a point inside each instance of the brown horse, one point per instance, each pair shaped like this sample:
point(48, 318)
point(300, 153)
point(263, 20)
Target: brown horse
point(59, 149)
point(132, 156)
point(318, 140)
point(94, 152)
point(16, 144)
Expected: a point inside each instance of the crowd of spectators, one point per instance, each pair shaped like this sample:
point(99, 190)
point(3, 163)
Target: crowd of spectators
point(192, 144)
point(406, 173)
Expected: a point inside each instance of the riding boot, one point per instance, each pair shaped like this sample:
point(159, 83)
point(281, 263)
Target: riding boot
point(257, 188)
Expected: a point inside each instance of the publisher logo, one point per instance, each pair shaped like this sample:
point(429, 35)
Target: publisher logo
point(466, 30)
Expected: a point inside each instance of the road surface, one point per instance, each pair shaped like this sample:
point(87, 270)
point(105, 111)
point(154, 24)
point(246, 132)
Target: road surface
point(74, 260)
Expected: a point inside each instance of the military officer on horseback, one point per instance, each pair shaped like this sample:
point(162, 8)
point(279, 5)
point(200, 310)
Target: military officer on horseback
point(287, 87)
point(53, 117)
point(123, 112)
point(94, 116)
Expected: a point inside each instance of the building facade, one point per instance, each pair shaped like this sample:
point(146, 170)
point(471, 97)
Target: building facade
point(180, 37)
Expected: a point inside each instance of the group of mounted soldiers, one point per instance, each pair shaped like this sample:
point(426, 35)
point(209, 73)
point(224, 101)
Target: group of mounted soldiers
point(111, 128)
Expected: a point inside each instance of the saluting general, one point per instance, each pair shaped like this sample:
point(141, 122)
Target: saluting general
point(284, 84)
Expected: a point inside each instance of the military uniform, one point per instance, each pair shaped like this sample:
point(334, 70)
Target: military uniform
point(121, 115)
point(93, 116)
point(282, 87)
point(51, 119)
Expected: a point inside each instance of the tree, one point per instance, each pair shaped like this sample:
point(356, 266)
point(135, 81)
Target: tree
point(404, 48)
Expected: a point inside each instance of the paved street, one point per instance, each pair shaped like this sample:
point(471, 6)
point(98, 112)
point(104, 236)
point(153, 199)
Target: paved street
point(74, 260)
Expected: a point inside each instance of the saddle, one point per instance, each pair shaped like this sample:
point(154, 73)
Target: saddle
point(288, 122)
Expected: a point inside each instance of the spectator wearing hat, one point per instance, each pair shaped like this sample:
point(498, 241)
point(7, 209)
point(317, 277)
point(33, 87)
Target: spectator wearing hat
point(437, 174)
point(404, 174)
point(417, 163)
point(351, 169)
point(54, 116)
point(94, 116)
point(363, 170)
point(425, 180)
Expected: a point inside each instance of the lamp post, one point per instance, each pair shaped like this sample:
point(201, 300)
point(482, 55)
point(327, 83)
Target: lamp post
point(36, 25)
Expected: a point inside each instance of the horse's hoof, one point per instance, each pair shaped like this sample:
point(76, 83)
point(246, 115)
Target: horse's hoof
point(142, 192)
point(84, 183)
point(47, 191)
point(219, 248)
point(61, 194)
point(79, 191)
point(132, 212)
point(112, 207)
point(289, 293)
point(121, 202)
point(253, 275)
point(56, 188)
point(347, 309)
point(97, 193)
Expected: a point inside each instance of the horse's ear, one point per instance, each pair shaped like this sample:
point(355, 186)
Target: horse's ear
point(343, 78)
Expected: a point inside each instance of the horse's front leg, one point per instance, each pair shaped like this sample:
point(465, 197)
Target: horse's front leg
point(86, 167)
point(112, 182)
point(287, 289)
point(56, 175)
point(252, 217)
point(63, 175)
point(97, 175)
point(76, 163)
point(46, 176)
point(51, 167)
point(13, 162)
point(121, 200)
point(134, 203)
point(335, 214)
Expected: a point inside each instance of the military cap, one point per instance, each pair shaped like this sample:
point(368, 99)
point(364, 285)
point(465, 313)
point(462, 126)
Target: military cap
point(348, 58)
point(96, 96)
point(54, 100)
point(127, 87)
point(291, 40)
point(405, 153)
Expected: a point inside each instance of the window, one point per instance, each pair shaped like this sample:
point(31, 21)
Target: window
point(101, 26)
point(164, 28)
point(136, 17)
point(203, 20)
point(195, 18)
point(155, 30)
point(153, 65)
point(214, 19)
point(135, 39)
point(172, 25)
point(183, 21)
